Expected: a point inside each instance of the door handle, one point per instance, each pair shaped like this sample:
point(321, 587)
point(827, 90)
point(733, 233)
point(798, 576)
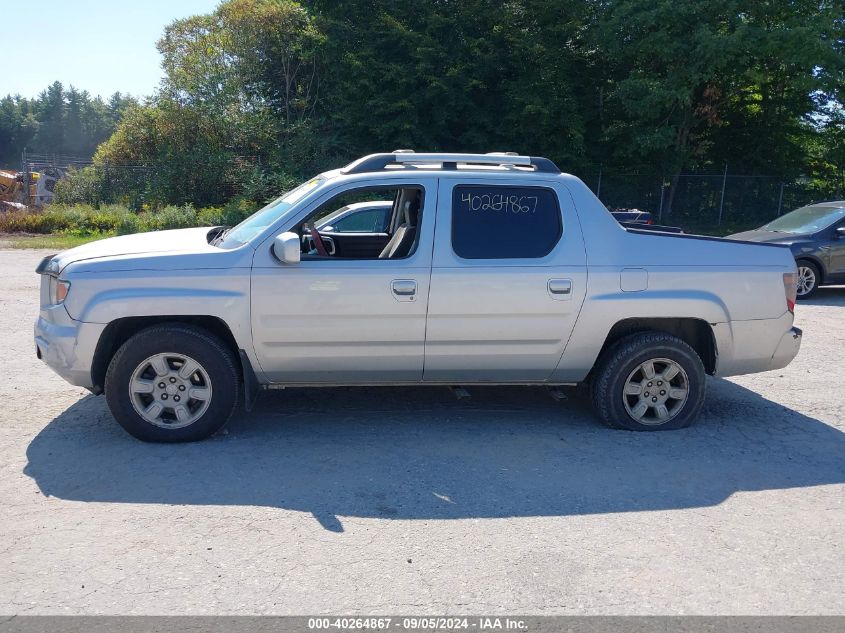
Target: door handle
point(404, 289)
point(560, 289)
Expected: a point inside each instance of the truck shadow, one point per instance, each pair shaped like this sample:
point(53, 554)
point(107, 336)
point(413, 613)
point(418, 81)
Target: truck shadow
point(417, 453)
point(826, 296)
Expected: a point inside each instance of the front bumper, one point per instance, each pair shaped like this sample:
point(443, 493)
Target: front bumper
point(787, 349)
point(67, 346)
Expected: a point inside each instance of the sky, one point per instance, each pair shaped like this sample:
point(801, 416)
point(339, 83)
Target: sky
point(102, 46)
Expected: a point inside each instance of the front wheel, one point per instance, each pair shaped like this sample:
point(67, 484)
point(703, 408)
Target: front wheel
point(651, 381)
point(172, 383)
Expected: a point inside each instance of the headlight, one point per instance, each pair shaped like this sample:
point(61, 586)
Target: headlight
point(58, 290)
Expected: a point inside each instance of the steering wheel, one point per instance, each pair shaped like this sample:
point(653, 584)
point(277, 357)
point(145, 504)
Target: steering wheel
point(318, 242)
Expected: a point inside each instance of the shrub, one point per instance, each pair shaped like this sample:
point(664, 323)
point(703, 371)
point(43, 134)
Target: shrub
point(22, 222)
point(170, 217)
point(237, 210)
point(76, 219)
point(83, 220)
point(127, 224)
point(210, 216)
point(85, 185)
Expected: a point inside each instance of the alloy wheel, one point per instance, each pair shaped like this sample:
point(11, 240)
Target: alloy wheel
point(656, 391)
point(806, 280)
point(170, 390)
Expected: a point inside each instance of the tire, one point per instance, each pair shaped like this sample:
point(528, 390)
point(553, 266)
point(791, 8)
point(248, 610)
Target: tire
point(809, 277)
point(626, 361)
point(154, 357)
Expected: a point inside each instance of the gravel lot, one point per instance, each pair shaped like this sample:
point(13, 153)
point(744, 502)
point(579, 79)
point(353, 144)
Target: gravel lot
point(408, 500)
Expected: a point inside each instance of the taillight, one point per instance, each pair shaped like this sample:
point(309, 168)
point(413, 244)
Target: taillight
point(649, 221)
point(790, 287)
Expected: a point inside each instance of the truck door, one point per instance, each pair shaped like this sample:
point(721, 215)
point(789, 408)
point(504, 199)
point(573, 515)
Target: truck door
point(508, 279)
point(353, 320)
point(836, 253)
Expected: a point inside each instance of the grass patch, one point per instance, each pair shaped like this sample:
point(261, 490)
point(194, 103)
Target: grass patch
point(52, 242)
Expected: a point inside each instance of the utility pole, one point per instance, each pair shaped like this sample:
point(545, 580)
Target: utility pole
point(780, 198)
point(722, 200)
point(25, 170)
point(598, 187)
point(662, 188)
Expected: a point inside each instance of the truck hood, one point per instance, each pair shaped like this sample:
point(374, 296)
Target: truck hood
point(769, 237)
point(173, 241)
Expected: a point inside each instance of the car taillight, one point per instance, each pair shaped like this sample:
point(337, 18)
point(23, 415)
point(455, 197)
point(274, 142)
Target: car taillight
point(649, 221)
point(790, 287)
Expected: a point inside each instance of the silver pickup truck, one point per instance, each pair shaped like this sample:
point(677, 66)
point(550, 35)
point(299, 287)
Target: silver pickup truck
point(491, 269)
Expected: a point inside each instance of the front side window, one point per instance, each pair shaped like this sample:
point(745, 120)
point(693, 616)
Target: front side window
point(496, 222)
point(371, 222)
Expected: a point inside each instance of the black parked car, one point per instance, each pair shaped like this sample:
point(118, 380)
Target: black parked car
point(641, 221)
point(816, 236)
point(632, 216)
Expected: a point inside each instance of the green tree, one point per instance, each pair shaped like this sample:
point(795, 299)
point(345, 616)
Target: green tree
point(259, 92)
point(18, 126)
point(827, 152)
point(454, 75)
point(51, 116)
point(791, 63)
point(240, 91)
point(74, 133)
point(700, 84)
point(58, 121)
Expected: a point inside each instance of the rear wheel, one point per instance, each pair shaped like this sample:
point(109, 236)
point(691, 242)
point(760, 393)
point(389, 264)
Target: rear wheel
point(651, 381)
point(809, 276)
point(172, 383)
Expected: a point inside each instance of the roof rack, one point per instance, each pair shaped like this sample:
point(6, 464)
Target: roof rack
point(409, 158)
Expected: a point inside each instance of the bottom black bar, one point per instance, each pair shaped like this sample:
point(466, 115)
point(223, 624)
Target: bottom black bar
point(422, 623)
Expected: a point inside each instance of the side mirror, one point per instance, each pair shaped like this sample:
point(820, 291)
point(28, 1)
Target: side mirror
point(286, 248)
point(840, 232)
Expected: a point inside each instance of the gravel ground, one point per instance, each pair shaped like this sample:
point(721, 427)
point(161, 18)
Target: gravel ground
point(408, 500)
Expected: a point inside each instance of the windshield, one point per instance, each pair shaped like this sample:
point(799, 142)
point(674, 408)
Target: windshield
point(264, 217)
point(806, 219)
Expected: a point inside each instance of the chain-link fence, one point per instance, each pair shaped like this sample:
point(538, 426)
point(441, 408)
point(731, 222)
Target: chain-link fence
point(703, 203)
point(41, 172)
point(711, 203)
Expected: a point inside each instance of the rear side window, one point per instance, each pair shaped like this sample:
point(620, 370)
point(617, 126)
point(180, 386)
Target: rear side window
point(490, 222)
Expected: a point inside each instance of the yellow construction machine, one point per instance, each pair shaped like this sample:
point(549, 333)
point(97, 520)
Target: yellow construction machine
point(27, 189)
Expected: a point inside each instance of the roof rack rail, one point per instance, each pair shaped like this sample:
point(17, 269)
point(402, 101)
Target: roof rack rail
point(378, 162)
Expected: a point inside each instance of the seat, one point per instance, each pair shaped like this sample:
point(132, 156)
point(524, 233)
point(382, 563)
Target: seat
point(400, 244)
point(402, 241)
